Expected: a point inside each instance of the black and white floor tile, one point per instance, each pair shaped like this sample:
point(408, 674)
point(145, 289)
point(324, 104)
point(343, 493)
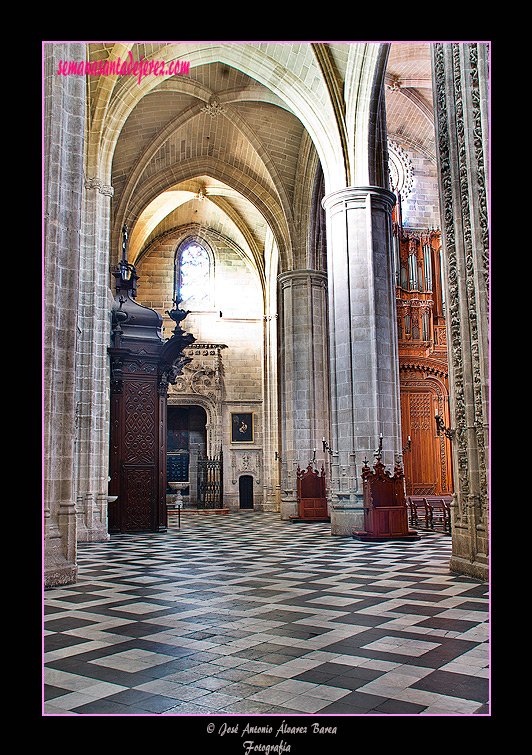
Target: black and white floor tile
point(247, 615)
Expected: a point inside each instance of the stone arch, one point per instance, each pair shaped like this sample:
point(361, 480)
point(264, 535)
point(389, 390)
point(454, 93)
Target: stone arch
point(185, 118)
point(246, 186)
point(344, 126)
point(213, 425)
point(314, 111)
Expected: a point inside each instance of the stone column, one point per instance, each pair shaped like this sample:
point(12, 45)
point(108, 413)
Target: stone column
point(92, 458)
point(271, 467)
point(63, 139)
point(304, 383)
point(363, 344)
point(460, 87)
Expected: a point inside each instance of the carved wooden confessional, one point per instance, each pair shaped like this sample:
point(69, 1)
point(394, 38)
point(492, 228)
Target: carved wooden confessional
point(423, 367)
point(142, 366)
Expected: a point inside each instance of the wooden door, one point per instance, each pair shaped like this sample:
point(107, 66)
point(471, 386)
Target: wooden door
point(245, 490)
point(425, 462)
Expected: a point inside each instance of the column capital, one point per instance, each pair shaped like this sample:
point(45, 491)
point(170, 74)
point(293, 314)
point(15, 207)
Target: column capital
point(289, 276)
point(357, 193)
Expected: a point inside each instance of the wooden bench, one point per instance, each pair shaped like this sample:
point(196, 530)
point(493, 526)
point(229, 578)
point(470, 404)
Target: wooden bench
point(419, 512)
point(430, 511)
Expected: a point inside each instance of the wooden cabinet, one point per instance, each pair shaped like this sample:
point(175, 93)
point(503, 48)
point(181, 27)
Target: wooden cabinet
point(138, 447)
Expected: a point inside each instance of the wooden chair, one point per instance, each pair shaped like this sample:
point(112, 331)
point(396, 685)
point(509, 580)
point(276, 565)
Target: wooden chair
point(440, 512)
point(430, 512)
point(419, 511)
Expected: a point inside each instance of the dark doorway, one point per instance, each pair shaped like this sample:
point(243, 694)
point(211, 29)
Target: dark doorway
point(177, 445)
point(186, 429)
point(245, 490)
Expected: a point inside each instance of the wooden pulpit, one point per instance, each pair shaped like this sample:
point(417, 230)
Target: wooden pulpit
point(311, 496)
point(142, 364)
point(385, 509)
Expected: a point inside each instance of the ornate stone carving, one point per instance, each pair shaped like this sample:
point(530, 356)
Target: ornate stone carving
point(248, 461)
point(464, 209)
point(401, 170)
point(202, 375)
point(453, 314)
point(213, 108)
point(96, 183)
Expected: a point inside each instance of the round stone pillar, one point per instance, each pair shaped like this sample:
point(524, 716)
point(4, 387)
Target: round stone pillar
point(304, 382)
point(364, 370)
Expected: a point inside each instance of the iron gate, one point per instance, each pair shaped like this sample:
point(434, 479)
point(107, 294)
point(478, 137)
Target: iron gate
point(210, 482)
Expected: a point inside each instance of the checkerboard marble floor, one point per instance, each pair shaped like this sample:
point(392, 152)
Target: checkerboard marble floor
point(245, 614)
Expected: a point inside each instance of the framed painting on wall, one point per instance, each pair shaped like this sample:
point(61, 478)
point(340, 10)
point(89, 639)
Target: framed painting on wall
point(242, 427)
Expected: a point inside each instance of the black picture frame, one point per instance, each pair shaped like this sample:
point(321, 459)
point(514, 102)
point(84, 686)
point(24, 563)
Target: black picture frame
point(242, 427)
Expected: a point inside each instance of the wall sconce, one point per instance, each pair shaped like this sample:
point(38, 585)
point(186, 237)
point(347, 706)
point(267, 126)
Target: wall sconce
point(440, 427)
point(408, 446)
point(278, 458)
point(326, 447)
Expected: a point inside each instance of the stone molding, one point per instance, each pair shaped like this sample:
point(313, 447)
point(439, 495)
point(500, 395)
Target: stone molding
point(340, 197)
point(460, 136)
point(96, 183)
point(246, 461)
point(317, 276)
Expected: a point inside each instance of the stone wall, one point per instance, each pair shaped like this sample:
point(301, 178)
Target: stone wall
point(420, 208)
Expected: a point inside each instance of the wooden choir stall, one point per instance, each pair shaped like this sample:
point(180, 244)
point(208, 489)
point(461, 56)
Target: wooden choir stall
point(385, 509)
point(311, 496)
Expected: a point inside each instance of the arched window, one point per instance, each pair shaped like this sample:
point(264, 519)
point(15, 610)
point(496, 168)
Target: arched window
point(193, 274)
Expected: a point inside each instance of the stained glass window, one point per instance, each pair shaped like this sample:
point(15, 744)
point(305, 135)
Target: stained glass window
point(193, 271)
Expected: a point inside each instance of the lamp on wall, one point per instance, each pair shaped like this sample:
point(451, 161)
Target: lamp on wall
point(326, 447)
point(440, 427)
point(125, 273)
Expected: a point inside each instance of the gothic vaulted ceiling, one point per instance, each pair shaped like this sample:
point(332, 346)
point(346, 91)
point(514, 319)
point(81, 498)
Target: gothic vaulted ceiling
point(215, 146)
